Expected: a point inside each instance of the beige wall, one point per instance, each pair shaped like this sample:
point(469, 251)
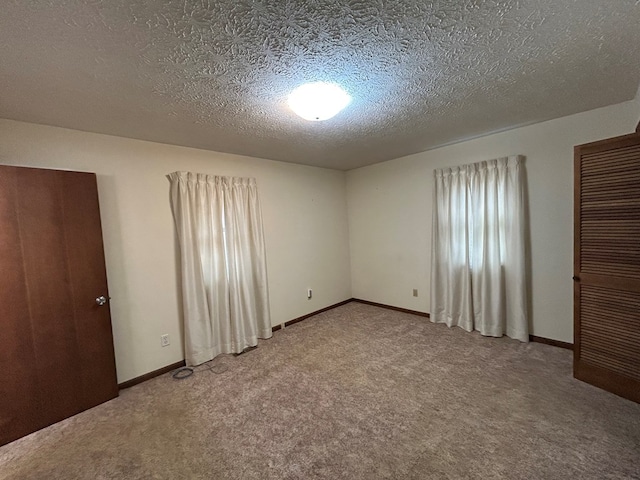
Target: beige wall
point(305, 221)
point(310, 240)
point(390, 213)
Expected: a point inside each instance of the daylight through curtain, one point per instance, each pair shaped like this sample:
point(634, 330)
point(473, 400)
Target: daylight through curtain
point(223, 264)
point(478, 278)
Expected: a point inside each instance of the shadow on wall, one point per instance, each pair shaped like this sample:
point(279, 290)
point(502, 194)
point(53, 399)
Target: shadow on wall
point(178, 274)
point(114, 250)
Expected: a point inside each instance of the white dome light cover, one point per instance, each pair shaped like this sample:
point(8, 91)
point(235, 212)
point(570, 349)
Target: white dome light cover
point(318, 101)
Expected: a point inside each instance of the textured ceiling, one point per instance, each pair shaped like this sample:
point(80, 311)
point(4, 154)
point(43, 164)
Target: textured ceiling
point(215, 74)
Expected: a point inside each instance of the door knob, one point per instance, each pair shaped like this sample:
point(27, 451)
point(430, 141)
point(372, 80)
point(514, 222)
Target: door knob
point(101, 300)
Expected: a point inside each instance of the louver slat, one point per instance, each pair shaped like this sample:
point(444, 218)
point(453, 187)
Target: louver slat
point(607, 265)
point(611, 245)
point(611, 337)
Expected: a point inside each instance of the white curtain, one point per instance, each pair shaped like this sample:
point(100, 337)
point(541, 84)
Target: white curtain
point(478, 278)
point(223, 264)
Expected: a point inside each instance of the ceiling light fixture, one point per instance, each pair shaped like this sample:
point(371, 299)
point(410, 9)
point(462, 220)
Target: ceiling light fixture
point(318, 101)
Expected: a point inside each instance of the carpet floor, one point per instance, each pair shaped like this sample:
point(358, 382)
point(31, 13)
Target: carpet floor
point(357, 392)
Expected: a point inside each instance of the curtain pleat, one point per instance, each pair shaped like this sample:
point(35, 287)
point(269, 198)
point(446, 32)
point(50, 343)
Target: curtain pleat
point(478, 249)
point(223, 264)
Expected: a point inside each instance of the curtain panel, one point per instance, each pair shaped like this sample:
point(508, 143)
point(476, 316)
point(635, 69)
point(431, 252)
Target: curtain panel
point(223, 264)
point(478, 277)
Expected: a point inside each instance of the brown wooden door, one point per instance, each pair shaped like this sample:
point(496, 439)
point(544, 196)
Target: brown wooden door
point(56, 344)
point(607, 265)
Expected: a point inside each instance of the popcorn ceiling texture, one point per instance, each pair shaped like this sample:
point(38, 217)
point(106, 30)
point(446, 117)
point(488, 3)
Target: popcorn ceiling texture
point(216, 74)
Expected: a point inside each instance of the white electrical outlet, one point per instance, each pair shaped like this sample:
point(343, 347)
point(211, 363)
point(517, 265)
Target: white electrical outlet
point(164, 340)
point(309, 293)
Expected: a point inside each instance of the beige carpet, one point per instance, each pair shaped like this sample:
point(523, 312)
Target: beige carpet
point(355, 393)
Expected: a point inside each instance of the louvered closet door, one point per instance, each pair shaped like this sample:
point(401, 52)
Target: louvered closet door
point(607, 265)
